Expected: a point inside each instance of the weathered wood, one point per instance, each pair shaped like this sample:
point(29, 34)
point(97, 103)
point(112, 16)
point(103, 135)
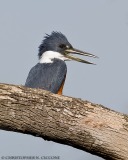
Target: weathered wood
point(81, 124)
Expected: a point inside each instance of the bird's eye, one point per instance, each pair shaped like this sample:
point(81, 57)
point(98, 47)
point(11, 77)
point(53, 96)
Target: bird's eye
point(62, 46)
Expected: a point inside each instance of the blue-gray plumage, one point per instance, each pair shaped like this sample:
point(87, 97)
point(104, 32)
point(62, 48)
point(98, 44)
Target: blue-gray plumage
point(54, 42)
point(50, 72)
point(48, 76)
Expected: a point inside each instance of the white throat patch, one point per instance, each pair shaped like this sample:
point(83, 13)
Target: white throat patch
point(49, 55)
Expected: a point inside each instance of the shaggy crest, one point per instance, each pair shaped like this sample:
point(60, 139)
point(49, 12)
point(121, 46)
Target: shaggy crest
point(52, 43)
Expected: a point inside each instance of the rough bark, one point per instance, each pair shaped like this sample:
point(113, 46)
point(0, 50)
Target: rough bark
point(81, 124)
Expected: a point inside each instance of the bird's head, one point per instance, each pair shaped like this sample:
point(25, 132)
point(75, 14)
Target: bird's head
point(56, 45)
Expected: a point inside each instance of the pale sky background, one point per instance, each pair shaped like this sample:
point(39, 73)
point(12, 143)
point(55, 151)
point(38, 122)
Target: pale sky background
point(96, 26)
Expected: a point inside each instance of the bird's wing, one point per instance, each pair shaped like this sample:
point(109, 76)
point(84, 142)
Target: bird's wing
point(48, 76)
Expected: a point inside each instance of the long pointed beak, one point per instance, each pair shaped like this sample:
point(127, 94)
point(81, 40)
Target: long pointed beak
point(76, 51)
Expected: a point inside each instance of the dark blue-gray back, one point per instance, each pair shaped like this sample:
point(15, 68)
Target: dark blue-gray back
point(48, 76)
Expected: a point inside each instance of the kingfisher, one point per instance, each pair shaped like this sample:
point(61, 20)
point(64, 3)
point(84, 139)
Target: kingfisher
point(50, 72)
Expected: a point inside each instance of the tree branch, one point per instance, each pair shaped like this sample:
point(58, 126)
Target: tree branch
point(81, 124)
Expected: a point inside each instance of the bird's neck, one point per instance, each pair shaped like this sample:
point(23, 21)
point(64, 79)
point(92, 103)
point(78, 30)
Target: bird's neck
point(48, 56)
